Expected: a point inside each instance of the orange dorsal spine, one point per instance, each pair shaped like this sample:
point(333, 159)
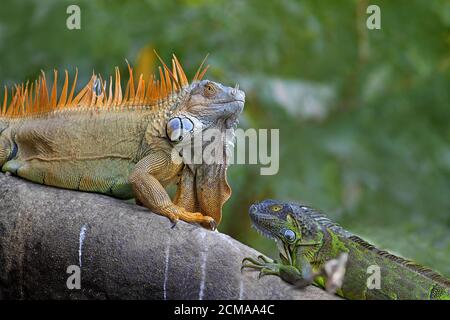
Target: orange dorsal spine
point(36, 99)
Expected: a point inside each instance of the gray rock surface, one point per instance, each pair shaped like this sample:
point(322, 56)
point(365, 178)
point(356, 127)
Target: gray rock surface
point(125, 252)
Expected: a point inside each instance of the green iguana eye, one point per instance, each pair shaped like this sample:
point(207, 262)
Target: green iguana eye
point(289, 235)
point(276, 207)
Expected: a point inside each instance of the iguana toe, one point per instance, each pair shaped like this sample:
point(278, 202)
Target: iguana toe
point(196, 217)
point(265, 259)
point(212, 224)
point(174, 223)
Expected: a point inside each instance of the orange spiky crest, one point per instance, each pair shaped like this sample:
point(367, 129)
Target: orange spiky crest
point(36, 99)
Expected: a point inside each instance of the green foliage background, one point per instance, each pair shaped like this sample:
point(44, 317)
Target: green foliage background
point(363, 114)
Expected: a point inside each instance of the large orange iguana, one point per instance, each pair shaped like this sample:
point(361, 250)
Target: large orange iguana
point(100, 141)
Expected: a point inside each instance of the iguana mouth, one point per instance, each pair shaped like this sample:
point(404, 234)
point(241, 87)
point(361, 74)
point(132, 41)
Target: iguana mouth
point(228, 101)
point(222, 103)
point(258, 222)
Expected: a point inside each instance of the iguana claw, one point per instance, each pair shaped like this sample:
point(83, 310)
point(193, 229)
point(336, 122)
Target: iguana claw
point(209, 223)
point(265, 259)
point(213, 225)
point(174, 224)
point(265, 272)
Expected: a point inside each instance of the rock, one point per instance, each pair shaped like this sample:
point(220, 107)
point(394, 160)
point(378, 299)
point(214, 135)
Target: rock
point(124, 251)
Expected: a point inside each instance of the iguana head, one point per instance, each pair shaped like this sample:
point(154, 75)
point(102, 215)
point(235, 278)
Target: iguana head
point(299, 232)
point(207, 105)
point(289, 224)
point(211, 102)
point(204, 104)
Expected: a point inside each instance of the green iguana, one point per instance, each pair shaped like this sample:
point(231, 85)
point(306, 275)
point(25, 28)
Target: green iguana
point(99, 140)
point(307, 240)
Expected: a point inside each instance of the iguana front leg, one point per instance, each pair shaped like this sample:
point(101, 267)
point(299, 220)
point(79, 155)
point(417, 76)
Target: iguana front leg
point(146, 183)
point(301, 275)
point(289, 273)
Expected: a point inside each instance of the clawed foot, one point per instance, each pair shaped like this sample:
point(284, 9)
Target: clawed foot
point(209, 223)
point(191, 217)
point(266, 266)
point(288, 273)
point(300, 276)
point(333, 271)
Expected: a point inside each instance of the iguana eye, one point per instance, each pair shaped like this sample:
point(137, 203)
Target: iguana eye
point(289, 235)
point(276, 207)
point(210, 89)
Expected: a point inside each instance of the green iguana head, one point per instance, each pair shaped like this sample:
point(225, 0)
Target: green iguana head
point(299, 233)
point(289, 224)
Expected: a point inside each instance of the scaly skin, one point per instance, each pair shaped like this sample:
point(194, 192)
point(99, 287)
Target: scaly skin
point(307, 238)
point(125, 151)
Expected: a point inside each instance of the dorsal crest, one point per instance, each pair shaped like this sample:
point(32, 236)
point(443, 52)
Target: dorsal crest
point(36, 98)
point(425, 271)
